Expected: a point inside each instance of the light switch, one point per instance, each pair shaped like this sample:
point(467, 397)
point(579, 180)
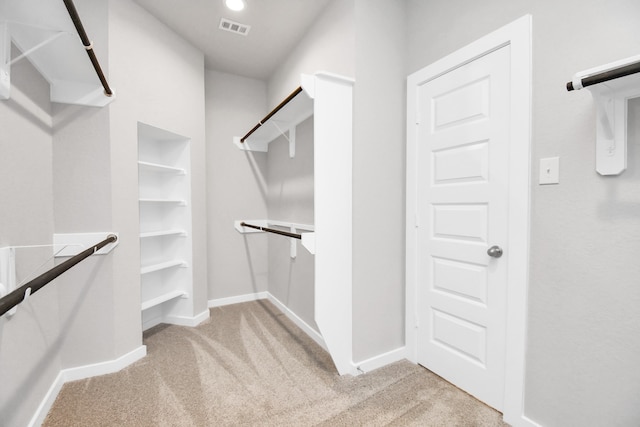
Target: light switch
point(549, 171)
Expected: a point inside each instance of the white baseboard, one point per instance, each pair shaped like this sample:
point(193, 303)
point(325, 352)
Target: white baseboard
point(381, 360)
point(103, 368)
point(150, 323)
point(47, 402)
point(522, 421)
point(313, 334)
point(188, 321)
point(175, 320)
point(82, 372)
point(220, 302)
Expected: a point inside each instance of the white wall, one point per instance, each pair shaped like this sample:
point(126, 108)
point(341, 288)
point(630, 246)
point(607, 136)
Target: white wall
point(290, 196)
point(82, 200)
point(236, 186)
point(327, 46)
point(159, 80)
point(583, 340)
point(29, 341)
point(378, 179)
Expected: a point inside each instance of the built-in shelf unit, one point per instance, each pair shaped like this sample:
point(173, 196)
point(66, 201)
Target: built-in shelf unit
point(165, 226)
point(329, 99)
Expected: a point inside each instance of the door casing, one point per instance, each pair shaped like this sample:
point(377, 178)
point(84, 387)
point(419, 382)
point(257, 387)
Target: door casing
point(518, 35)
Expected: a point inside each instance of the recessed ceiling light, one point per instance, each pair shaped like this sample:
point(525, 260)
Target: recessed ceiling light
point(236, 5)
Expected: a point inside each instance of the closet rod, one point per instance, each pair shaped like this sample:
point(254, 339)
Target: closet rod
point(272, 230)
point(275, 110)
point(607, 75)
point(73, 13)
point(18, 295)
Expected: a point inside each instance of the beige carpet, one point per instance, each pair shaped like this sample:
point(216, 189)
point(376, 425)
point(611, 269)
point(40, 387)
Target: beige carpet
point(248, 365)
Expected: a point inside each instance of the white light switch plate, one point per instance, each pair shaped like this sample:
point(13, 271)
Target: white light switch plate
point(549, 171)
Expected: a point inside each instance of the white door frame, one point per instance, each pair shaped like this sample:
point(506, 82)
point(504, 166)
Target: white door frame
point(518, 35)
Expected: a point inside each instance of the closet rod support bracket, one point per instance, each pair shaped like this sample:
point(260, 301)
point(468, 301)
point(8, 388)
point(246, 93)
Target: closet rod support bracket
point(292, 142)
point(612, 86)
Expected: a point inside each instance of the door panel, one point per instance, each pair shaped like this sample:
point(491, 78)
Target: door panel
point(469, 163)
point(460, 279)
point(464, 104)
point(462, 157)
point(460, 222)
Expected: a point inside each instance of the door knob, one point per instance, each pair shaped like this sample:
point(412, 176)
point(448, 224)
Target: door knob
point(494, 251)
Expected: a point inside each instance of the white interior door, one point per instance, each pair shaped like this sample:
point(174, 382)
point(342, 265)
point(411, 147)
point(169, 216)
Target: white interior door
point(462, 207)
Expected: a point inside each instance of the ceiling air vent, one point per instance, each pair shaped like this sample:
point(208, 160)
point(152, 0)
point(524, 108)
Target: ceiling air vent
point(234, 27)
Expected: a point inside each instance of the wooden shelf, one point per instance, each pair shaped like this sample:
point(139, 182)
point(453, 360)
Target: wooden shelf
point(162, 299)
point(163, 266)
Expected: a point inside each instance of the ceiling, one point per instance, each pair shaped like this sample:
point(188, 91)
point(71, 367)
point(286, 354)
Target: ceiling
point(276, 28)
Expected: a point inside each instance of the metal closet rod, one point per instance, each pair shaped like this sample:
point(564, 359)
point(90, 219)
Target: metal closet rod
point(608, 75)
point(272, 230)
point(275, 110)
point(18, 295)
point(71, 8)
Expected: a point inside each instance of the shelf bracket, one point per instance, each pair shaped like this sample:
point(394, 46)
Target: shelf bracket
point(611, 132)
point(612, 98)
point(38, 46)
point(292, 142)
point(70, 244)
point(293, 248)
point(290, 137)
point(307, 238)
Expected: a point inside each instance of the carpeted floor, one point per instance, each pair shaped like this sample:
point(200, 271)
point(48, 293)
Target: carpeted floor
point(248, 365)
